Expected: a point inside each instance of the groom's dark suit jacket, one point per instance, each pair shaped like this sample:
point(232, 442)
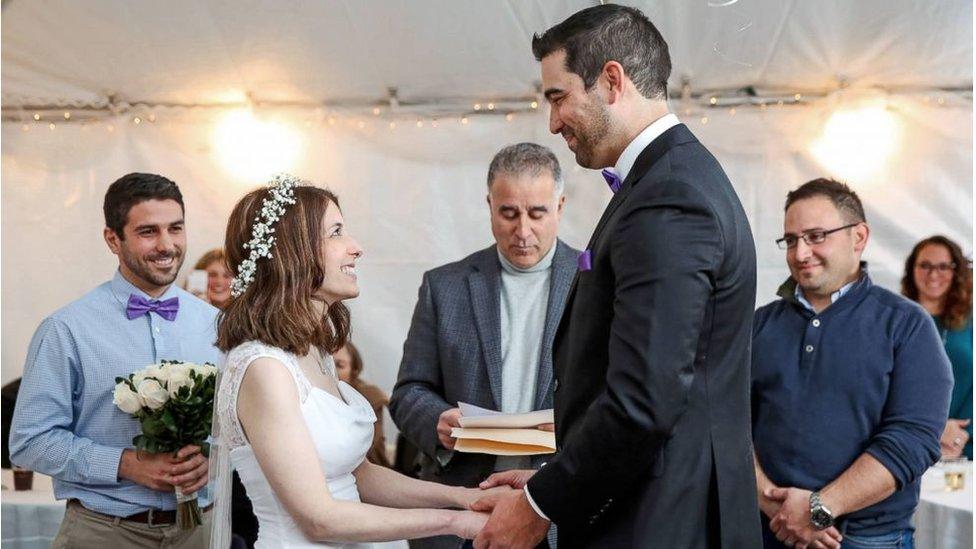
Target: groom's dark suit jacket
point(652, 369)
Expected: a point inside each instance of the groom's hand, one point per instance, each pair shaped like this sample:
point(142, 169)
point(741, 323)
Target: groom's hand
point(516, 478)
point(513, 523)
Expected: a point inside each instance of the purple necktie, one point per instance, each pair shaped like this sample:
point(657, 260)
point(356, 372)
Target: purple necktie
point(613, 180)
point(139, 306)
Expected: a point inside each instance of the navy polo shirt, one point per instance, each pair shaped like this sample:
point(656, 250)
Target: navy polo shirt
point(867, 374)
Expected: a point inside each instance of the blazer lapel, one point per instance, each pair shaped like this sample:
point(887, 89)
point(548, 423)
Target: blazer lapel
point(674, 136)
point(563, 271)
point(483, 285)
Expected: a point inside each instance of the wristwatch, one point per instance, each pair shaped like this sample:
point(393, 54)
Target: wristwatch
point(820, 516)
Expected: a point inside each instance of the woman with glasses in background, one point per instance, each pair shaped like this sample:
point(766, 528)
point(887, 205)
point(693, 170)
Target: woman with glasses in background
point(939, 277)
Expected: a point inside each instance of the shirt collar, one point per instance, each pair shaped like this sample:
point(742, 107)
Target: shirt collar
point(798, 293)
point(643, 139)
point(122, 289)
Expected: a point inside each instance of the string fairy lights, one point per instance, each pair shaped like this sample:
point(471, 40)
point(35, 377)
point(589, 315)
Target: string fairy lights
point(395, 113)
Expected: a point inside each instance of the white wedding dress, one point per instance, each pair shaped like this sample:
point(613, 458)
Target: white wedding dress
point(342, 431)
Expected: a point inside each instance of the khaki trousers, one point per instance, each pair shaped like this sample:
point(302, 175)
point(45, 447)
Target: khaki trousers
point(83, 528)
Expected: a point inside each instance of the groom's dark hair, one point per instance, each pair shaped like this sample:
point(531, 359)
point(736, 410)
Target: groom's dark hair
point(131, 189)
point(596, 35)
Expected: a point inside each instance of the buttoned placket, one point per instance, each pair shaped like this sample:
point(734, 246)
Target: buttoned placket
point(811, 340)
point(155, 332)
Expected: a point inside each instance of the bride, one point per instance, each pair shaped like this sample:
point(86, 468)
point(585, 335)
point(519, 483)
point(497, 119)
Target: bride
point(296, 434)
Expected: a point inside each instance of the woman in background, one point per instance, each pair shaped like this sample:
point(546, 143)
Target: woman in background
point(349, 366)
point(939, 277)
point(218, 277)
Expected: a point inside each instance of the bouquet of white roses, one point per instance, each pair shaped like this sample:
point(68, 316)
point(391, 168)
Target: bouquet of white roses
point(173, 402)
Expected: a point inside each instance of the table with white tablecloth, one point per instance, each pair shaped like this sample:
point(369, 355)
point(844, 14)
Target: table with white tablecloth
point(944, 519)
point(30, 519)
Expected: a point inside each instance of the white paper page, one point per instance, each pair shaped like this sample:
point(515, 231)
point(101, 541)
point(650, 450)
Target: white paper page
point(474, 416)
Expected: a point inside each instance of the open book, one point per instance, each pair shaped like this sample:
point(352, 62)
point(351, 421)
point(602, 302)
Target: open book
point(485, 431)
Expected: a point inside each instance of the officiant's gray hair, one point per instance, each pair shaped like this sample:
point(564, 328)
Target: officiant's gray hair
point(526, 158)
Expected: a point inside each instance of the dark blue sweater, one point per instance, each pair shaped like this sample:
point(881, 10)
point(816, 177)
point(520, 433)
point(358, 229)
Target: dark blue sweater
point(867, 374)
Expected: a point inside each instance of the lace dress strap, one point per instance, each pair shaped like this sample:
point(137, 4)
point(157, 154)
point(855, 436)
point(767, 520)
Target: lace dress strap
point(237, 362)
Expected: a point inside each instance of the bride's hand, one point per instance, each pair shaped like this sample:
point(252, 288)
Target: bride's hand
point(468, 496)
point(467, 524)
point(516, 478)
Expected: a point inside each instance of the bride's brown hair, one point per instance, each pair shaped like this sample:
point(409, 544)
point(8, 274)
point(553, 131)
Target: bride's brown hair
point(278, 307)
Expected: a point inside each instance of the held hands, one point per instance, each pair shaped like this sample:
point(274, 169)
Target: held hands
point(791, 523)
point(467, 524)
point(513, 522)
point(449, 419)
point(189, 469)
point(954, 437)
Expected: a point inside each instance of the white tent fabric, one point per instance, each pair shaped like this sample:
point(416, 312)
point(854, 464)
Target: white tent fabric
point(414, 196)
point(187, 51)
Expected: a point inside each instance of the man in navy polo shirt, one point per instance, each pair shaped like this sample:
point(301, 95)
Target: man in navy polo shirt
point(850, 388)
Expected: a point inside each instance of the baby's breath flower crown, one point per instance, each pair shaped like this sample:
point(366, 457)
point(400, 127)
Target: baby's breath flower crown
point(282, 189)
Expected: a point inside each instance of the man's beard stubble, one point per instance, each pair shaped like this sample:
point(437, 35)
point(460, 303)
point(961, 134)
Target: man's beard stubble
point(143, 270)
point(590, 133)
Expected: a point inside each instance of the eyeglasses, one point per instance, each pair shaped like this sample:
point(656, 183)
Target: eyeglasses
point(810, 237)
point(941, 267)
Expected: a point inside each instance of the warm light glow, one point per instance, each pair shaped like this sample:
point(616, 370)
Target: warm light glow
point(857, 143)
point(252, 149)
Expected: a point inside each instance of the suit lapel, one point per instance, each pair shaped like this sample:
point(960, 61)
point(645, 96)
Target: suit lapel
point(563, 270)
point(484, 286)
point(674, 136)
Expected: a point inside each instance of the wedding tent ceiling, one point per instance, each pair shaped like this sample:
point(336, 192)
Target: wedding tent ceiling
point(351, 52)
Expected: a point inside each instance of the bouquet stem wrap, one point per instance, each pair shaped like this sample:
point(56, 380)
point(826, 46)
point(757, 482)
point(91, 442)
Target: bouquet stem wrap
point(188, 515)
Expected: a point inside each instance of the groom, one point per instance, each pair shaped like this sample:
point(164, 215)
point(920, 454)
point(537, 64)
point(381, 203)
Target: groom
point(652, 354)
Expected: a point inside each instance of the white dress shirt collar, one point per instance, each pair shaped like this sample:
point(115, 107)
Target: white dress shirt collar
point(643, 139)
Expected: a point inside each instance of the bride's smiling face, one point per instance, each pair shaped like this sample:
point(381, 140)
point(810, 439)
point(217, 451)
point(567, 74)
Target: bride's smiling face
point(339, 253)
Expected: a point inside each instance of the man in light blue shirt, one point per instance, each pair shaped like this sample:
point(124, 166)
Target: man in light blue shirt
point(65, 423)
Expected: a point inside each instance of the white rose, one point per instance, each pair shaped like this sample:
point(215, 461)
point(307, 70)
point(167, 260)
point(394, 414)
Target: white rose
point(149, 372)
point(206, 370)
point(126, 399)
point(152, 394)
point(178, 376)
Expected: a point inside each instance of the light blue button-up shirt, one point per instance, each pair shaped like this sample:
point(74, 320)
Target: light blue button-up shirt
point(798, 293)
point(65, 424)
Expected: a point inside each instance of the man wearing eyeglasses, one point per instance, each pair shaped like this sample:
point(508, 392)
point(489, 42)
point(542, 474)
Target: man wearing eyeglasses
point(850, 388)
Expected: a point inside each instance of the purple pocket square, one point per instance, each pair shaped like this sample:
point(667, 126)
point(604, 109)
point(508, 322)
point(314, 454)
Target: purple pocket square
point(585, 261)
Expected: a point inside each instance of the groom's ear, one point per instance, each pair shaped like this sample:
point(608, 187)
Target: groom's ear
point(112, 239)
point(613, 74)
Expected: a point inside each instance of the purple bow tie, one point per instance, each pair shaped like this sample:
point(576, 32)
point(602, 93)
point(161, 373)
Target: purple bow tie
point(139, 306)
point(613, 180)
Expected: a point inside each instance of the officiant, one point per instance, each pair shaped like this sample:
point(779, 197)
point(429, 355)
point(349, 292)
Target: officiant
point(483, 326)
point(65, 424)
